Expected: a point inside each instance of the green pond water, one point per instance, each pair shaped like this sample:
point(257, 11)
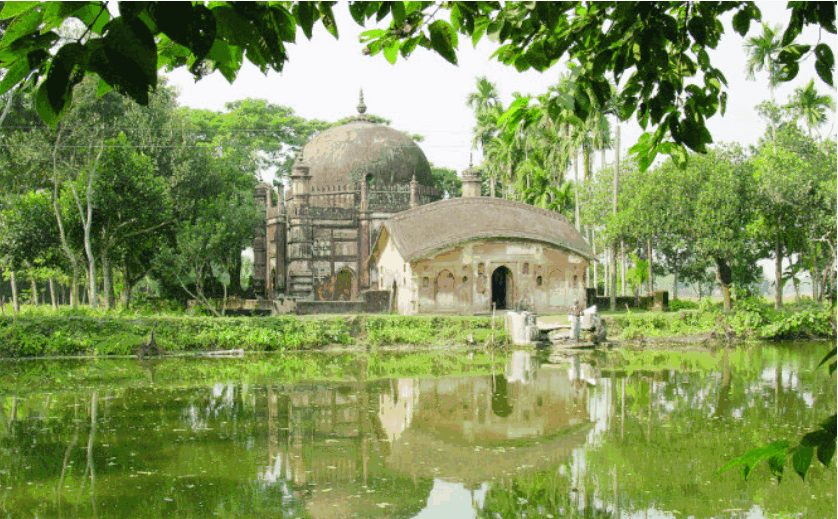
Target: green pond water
point(611, 435)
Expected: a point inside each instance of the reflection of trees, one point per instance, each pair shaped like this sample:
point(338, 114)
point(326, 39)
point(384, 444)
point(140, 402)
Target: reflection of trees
point(298, 450)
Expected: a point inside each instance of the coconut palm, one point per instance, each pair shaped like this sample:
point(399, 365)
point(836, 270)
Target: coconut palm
point(763, 54)
point(487, 108)
point(810, 107)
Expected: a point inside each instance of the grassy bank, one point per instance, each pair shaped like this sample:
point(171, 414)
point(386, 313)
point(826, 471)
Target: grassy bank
point(74, 333)
point(749, 319)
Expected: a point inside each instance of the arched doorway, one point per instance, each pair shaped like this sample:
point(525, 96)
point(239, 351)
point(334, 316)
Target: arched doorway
point(444, 289)
point(502, 288)
point(343, 285)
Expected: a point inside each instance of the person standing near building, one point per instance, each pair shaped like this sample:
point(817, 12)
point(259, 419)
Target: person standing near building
point(576, 315)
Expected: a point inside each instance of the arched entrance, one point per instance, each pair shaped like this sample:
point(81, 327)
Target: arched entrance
point(445, 291)
point(343, 285)
point(502, 288)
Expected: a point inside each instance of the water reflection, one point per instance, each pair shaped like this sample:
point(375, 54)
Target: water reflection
point(589, 437)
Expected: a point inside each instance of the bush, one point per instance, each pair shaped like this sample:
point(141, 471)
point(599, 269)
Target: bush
point(86, 332)
point(677, 305)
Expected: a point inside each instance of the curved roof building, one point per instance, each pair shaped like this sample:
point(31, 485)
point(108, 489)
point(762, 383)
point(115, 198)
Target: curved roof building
point(428, 229)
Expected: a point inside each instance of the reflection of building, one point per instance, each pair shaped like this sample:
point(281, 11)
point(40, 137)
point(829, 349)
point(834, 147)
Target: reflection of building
point(470, 429)
point(362, 444)
point(326, 445)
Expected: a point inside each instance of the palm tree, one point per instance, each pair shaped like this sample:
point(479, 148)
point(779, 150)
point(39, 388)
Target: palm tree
point(487, 108)
point(763, 54)
point(810, 107)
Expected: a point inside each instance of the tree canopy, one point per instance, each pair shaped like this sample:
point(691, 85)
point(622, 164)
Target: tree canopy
point(657, 52)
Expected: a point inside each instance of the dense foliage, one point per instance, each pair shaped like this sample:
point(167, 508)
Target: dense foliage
point(88, 333)
point(660, 50)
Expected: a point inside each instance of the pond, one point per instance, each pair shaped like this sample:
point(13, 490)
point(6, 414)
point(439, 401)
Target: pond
point(612, 435)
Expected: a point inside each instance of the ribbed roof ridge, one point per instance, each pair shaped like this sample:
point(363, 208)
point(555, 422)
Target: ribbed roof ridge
point(429, 228)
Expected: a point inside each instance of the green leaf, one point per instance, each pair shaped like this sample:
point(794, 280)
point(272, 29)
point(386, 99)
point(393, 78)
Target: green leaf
point(129, 10)
point(826, 451)
point(11, 9)
point(102, 88)
point(126, 58)
point(95, 15)
point(802, 459)
point(358, 10)
point(328, 18)
point(397, 10)
point(754, 456)
point(22, 25)
point(824, 72)
point(371, 34)
point(444, 40)
point(479, 30)
point(306, 15)
point(698, 30)
point(776, 465)
point(828, 356)
point(16, 73)
point(742, 21)
point(54, 94)
point(824, 53)
point(193, 26)
point(391, 51)
point(56, 12)
point(285, 23)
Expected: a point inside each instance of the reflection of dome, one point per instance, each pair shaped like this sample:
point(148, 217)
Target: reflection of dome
point(343, 155)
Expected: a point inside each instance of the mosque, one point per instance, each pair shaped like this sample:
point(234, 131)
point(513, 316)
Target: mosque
point(362, 218)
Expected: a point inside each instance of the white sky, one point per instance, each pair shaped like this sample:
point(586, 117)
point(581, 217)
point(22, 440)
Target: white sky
point(427, 95)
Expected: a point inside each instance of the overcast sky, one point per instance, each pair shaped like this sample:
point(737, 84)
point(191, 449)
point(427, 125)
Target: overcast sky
point(427, 95)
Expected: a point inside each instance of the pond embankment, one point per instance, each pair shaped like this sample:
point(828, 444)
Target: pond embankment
point(76, 333)
point(62, 335)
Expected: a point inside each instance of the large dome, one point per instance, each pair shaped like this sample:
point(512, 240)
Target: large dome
point(345, 154)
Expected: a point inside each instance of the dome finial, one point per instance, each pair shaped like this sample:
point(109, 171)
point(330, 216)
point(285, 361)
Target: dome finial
point(470, 161)
point(362, 108)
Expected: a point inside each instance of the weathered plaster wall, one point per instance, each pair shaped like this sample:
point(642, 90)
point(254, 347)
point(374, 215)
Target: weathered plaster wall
point(392, 271)
point(459, 280)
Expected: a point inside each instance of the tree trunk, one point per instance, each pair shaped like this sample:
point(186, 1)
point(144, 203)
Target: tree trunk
point(796, 283)
point(593, 247)
point(87, 223)
point(813, 274)
point(235, 272)
point(651, 278)
point(725, 275)
point(492, 187)
point(576, 190)
point(127, 286)
point(675, 285)
point(107, 279)
point(622, 268)
point(614, 212)
point(34, 286)
point(52, 296)
point(15, 299)
point(613, 277)
point(778, 273)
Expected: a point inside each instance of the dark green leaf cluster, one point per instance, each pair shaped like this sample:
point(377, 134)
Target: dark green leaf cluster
point(126, 50)
point(658, 51)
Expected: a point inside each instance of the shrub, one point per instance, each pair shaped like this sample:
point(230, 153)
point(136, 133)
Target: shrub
point(677, 305)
